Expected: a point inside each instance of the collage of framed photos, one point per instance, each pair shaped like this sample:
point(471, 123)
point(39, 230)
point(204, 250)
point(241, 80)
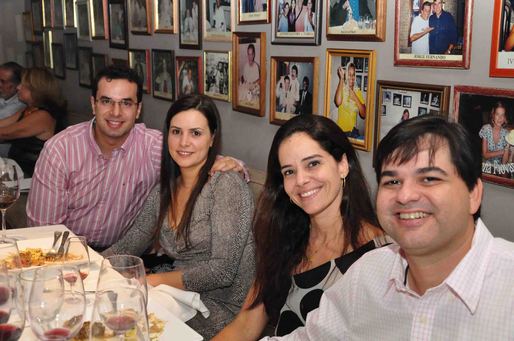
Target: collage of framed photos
point(433, 34)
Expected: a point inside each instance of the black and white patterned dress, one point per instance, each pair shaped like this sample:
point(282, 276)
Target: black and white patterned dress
point(307, 287)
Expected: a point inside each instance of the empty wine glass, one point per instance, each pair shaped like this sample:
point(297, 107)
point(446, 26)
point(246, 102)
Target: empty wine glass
point(9, 188)
point(56, 304)
point(9, 254)
point(12, 310)
point(129, 269)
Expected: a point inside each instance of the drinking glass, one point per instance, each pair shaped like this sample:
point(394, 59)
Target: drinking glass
point(76, 252)
point(125, 268)
point(57, 303)
point(9, 254)
point(12, 310)
point(9, 189)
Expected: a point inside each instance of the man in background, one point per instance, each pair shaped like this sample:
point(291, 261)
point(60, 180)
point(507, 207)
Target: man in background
point(10, 78)
point(443, 36)
point(420, 29)
point(305, 103)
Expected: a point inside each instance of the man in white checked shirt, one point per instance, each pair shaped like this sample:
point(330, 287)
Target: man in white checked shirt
point(95, 176)
point(448, 278)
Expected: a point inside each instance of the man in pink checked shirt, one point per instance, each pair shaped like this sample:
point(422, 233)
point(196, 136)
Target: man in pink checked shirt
point(95, 176)
point(447, 278)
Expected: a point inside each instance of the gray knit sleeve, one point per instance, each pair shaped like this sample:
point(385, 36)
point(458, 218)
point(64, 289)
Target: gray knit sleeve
point(140, 234)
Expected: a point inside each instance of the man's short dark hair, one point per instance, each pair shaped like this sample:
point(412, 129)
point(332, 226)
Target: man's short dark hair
point(405, 140)
point(119, 72)
point(426, 3)
point(295, 68)
point(252, 47)
point(16, 70)
point(306, 79)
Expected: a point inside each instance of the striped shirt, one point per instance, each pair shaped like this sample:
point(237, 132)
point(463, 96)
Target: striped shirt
point(76, 185)
point(371, 301)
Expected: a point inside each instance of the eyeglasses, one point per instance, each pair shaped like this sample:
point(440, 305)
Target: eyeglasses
point(125, 104)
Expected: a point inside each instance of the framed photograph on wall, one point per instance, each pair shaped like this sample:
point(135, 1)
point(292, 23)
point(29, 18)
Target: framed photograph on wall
point(348, 103)
point(99, 20)
point(488, 115)
point(29, 59)
point(119, 62)
point(39, 54)
point(47, 48)
point(70, 50)
point(296, 22)
point(58, 14)
point(188, 76)
point(83, 23)
point(139, 16)
point(85, 67)
point(28, 28)
point(37, 16)
point(249, 86)
point(502, 40)
point(253, 11)
point(69, 13)
point(433, 35)
point(218, 74)
point(420, 98)
point(118, 36)
point(98, 63)
point(293, 79)
point(162, 74)
point(58, 55)
point(190, 26)
point(47, 14)
point(359, 20)
point(164, 16)
point(139, 60)
point(218, 20)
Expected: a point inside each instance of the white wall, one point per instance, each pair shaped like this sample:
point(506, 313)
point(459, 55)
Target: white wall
point(12, 42)
point(249, 138)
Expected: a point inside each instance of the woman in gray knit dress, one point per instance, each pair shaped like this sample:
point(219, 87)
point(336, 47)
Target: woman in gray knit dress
point(203, 222)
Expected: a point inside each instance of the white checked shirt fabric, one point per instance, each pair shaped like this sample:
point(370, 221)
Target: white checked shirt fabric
point(370, 302)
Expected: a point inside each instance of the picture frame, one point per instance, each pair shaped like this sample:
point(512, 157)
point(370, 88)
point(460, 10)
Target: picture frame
point(120, 62)
point(162, 74)
point(85, 67)
point(47, 48)
point(354, 118)
point(287, 84)
point(118, 30)
point(139, 60)
point(419, 95)
point(218, 20)
point(70, 50)
point(188, 73)
point(502, 40)
point(367, 23)
point(253, 12)
point(476, 108)
point(83, 13)
point(304, 29)
point(446, 47)
point(217, 78)
point(69, 13)
point(139, 16)
point(47, 13)
point(165, 16)
point(249, 85)
point(58, 58)
point(99, 19)
point(37, 16)
point(190, 25)
point(58, 14)
point(39, 54)
point(98, 63)
point(28, 27)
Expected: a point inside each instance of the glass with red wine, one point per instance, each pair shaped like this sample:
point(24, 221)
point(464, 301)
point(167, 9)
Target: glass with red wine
point(77, 253)
point(57, 303)
point(9, 188)
point(12, 310)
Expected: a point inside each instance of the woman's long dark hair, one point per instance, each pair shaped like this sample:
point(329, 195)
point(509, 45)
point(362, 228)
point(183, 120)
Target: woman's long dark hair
point(170, 171)
point(281, 228)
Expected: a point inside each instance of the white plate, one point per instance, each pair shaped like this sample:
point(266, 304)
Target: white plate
point(174, 329)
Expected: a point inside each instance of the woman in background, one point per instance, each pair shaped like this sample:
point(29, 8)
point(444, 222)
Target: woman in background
point(313, 220)
point(493, 134)
point(202, 222)
point(44, 116)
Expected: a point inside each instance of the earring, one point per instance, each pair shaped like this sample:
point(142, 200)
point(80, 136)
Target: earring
point(344, 181)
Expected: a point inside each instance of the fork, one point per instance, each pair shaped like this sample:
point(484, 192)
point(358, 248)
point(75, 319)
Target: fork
point(53, 251)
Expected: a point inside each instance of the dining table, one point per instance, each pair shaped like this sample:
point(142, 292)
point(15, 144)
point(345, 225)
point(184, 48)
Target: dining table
point(42, 236)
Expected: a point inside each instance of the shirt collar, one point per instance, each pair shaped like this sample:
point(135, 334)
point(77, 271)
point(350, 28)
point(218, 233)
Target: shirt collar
point(11, 99)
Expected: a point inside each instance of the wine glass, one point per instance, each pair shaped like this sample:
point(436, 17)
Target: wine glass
point(76, 252)
point(126, 268)
point(12, 310)
point(9, 189)
point(9, 254)
point(56, 303)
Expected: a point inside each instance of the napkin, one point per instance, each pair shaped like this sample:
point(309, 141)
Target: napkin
point(183, 304)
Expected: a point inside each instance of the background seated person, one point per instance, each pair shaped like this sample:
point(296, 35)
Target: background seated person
point(314, 219)
point(203, 222)
point(44, 116)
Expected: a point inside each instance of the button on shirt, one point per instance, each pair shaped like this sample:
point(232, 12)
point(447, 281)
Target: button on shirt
point(94, 196)
point(371, 302)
